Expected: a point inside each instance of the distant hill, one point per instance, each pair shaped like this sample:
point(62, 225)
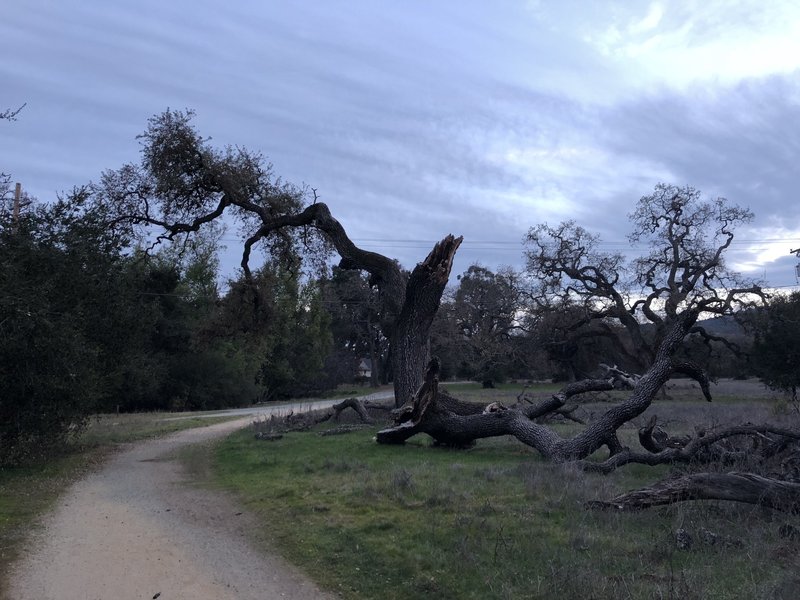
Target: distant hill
point(722, 326)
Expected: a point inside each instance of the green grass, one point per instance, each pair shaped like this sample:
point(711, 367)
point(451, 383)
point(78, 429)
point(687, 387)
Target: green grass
point(370, 521)
point(27, 492)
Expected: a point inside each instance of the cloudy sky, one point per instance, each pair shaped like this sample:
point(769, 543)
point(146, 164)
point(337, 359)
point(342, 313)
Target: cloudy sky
point(415, 119)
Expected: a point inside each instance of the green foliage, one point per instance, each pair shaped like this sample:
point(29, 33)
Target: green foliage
point(354, 307)
point(280, 330)
point(477, 334)
point(87, 325)
point(776, 349)
point(56, 272)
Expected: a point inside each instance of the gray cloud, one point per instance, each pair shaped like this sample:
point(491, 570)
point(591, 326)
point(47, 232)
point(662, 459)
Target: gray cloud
point(413, 120)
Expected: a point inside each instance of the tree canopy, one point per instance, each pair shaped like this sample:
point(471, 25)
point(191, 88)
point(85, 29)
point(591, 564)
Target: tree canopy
point(776, 347)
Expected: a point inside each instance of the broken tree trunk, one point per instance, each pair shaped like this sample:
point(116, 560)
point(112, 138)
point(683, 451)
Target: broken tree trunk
point(654, 439)
point(453, 422)
point(734, 487)
point(410, 338)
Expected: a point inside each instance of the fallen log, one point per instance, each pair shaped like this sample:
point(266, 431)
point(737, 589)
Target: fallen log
point(734, 487)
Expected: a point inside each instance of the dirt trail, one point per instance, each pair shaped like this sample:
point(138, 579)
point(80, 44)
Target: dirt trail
point(137, 528)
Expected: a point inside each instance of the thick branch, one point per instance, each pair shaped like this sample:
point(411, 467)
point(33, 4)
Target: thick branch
point(384, 271)
point(735, 487)
point(689, 452)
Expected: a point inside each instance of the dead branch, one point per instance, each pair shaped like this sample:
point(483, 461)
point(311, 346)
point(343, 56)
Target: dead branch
point(735, 487)
point(692, 451)
point(654, 439)
point(623, 379)
point(453, 422)
point(356, 405)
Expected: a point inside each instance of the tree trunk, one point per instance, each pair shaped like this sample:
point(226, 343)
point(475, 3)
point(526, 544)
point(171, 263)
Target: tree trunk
point(410, 341)
point(373, 358)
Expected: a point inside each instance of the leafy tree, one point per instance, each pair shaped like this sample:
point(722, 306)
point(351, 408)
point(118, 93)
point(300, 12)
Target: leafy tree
point(355, 311)
point(183, 183)
point(776, 347)
point(279, 330)
point(482, 326)
point(56, 279)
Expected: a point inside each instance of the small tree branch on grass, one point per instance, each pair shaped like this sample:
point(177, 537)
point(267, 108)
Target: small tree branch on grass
point(343, 429)
point(356, 405)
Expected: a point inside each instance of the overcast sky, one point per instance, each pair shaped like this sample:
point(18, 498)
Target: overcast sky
point(414, 119)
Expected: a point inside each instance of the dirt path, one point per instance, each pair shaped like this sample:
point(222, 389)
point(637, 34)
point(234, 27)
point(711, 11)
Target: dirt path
point(137, 528)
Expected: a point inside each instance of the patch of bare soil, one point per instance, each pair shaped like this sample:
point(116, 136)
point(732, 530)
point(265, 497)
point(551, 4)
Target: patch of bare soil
point(137, 528)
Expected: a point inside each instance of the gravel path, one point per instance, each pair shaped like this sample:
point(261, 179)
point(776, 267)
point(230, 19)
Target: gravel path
point(137, 528)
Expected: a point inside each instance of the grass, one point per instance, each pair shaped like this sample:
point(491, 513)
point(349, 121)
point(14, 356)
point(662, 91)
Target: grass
point(351, 390)
point(27, 492)
point(369, 521)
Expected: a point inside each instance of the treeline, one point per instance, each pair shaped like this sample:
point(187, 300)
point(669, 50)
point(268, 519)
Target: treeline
point(90, 322)
point(495, 326)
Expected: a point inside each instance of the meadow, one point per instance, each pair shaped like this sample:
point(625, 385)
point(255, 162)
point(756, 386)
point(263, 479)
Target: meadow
point(496, 521)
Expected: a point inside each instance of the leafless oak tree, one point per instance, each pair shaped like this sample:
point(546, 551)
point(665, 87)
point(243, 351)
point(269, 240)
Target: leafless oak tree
point(655, 302)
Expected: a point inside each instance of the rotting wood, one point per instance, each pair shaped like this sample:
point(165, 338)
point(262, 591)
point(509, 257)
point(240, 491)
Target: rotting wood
point(735, 487)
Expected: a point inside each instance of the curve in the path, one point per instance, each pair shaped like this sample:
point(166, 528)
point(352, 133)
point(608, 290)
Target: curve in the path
point(137, 528)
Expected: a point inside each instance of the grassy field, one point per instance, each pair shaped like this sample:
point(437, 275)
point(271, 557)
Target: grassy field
point(371, 521)
point(27, 492)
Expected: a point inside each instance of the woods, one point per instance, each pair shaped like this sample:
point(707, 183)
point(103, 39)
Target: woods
point(112, 301)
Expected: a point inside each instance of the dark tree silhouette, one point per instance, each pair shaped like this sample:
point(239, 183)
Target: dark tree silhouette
point(656, 299)
point(183, 183)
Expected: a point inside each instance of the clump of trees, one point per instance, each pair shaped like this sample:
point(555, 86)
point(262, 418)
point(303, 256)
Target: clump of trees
point(90, 324)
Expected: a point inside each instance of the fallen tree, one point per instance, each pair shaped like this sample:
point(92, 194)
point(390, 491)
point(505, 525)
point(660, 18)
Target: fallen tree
point(682, 280)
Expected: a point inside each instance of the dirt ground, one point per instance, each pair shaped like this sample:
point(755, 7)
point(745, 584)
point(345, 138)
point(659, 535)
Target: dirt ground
point(137, 528)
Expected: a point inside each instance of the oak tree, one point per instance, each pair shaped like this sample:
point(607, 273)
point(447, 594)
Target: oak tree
point(183, 183)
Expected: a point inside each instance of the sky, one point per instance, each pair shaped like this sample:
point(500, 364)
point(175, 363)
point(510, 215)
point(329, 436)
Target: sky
point(416, 119)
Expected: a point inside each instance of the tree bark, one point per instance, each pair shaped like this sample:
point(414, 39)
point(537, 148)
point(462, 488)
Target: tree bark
point(452, 422)
point(734, 487)
point(409, 341)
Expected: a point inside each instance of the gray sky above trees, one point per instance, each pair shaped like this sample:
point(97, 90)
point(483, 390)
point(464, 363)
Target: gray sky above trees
point(416, 119)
